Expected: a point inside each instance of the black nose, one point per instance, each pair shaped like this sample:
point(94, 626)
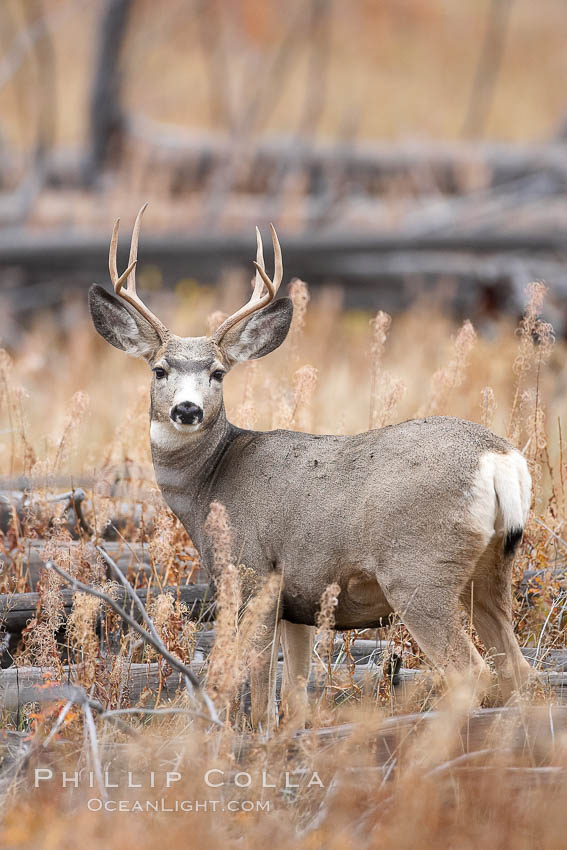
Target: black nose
point(187, 413)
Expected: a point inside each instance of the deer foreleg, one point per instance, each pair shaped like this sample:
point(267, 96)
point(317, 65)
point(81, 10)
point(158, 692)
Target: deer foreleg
point(297, 642)
point(263, 678)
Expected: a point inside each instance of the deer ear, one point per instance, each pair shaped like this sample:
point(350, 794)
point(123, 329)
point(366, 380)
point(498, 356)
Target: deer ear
point(120, 326)
point(262, 333)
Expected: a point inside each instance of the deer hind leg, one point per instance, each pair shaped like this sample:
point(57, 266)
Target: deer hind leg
point(297, 643)
point(490, 593)
point(431, 613)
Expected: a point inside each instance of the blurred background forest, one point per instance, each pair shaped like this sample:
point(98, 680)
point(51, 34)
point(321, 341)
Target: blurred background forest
point(411, 153)
point(394, 143)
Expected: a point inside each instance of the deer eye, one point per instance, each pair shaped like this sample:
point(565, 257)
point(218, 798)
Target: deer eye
point(217, 375)
point(160, 373)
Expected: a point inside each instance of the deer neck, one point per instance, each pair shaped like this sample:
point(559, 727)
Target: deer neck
point(185, 465)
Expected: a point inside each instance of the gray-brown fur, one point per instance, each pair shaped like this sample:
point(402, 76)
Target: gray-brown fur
point(388, 514)
point(336, 500)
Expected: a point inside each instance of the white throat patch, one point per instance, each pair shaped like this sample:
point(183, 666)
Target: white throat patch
point(170, 435)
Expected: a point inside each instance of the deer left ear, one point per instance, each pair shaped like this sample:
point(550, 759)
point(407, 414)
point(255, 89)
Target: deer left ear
point(262, 333)
point(120, 325)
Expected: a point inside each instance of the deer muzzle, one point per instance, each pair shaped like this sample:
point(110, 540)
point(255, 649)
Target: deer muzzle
point(186, 413)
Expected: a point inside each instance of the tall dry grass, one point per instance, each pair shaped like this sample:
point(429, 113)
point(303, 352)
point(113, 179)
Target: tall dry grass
point(406, 785)
point(72, 405)
point(365, 786)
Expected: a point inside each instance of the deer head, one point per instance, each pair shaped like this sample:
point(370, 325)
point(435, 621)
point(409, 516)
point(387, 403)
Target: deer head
point(187, 372)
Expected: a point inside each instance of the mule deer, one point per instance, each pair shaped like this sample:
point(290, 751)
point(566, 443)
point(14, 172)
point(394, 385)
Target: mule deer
point(415, 518)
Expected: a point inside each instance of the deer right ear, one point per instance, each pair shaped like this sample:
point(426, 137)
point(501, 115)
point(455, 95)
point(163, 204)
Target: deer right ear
point(260, 334)
point(121, 326)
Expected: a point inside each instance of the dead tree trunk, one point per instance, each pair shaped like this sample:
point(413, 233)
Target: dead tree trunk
point(106, 118)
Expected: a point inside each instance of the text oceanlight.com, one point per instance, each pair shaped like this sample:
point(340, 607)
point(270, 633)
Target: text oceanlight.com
point(97, 804)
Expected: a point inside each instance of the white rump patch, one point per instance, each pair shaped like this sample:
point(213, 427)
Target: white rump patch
point(501, 493)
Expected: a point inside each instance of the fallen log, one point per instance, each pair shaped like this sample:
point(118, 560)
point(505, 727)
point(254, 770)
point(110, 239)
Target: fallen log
point(191, 158)
point(17, 609)
point(362, 650)
point(27, 563)
point(33, 249)
point(30, 508)
point(371, 267)
point(22, 505)
point(18, 685)
point(24, 565)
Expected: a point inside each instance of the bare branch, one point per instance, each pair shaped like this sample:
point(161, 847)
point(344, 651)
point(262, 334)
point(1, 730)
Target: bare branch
point(115, 713)
point(190, 678)
point(130, 591)
point(91, 729)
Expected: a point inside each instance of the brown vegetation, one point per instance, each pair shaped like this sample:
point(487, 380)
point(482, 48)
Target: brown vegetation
point(444, 779)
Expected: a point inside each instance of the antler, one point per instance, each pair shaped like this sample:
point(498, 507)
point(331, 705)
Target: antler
point(257, 300)
point(128, 293)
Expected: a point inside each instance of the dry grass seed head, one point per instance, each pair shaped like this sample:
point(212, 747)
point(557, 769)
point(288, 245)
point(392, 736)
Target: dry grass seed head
point(169, 617)
point(214, 320)
point(223, 673)
point(386, 391)
point(82, 633)
point(326, 620)
point(282, 407)
point(79, 405)
point(256, 618)
point(11, 399)
point(536, 341)
point(451, 376)
point(39, 644)
point(163, 537)
point(304, 385)
point(380, 326)
point(246, 416)
point(243, 634)
point(300, 297)
point(488, 406)
point(217, 528)
point(101, 506)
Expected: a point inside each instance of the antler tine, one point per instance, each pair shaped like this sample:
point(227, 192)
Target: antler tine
point(274, 285)
point(133, 258)
point(257, 300)
point(116, 281)
point(258, 282)
point(278, 261)
point(112, 268)
point(128, 292)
